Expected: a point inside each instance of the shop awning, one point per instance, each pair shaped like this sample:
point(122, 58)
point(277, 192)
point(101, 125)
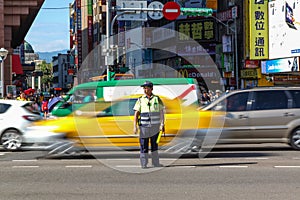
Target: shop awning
point(16, 64)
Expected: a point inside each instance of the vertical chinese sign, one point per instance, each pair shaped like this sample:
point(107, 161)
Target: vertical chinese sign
point(199, 30)
point(79, 32)
point(90, 24)
point(258, 18)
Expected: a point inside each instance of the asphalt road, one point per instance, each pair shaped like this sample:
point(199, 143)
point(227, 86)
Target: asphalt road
point(261, 172)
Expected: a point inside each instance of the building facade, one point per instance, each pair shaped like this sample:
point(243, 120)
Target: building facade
point(62, 72)
point(237, 38)
point(16, 17)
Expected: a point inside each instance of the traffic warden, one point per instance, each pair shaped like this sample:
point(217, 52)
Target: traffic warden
point(149, 119)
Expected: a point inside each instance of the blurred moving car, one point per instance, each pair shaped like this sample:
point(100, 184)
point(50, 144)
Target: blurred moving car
point(15, 116)
point(252, 116)
point(105, 125)
point(261, 115)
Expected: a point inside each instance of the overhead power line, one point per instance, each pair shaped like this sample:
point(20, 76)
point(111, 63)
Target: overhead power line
point(60, 8)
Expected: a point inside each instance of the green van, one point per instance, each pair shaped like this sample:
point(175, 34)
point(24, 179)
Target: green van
point(107, 91)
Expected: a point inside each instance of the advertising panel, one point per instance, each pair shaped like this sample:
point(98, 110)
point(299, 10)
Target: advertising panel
point(90, 25)
point(251, 64)
point(199, 30)
point(201, 72)
point(258, 24)
point(213, 4)
point(192, 49)
point(284, 23)
point(280, 65)
point(286, 79)
point(90, 33)
point(198, 4)
point(249, 73)
point(227, 43)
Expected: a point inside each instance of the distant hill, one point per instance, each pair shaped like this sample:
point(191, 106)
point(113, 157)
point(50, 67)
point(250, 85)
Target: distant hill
point(47, 56)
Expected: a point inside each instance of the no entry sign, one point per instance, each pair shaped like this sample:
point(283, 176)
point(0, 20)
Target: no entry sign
point(171, 10)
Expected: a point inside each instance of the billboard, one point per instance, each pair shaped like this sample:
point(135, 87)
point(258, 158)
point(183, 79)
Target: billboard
point(258, 29)
point(200, 30)
point(280, 65)
point(213, 4)
point(284, 29)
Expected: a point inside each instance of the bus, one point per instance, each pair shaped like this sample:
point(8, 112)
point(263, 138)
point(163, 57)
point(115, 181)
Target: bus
point(106, 91)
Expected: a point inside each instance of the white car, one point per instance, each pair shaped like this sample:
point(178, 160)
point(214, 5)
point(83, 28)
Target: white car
point(15, 116)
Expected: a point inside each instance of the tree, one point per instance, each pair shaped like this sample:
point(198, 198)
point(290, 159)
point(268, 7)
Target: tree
point(47, 77)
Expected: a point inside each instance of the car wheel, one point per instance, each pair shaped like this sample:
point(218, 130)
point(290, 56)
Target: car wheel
point(11, 140)
point(295, 139)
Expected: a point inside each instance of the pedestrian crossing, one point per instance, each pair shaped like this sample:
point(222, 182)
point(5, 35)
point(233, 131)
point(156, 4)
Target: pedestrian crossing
point(130, 162)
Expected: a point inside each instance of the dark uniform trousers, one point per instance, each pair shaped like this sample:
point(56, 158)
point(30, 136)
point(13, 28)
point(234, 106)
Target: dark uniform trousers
point(144, 145)
point(144, 148)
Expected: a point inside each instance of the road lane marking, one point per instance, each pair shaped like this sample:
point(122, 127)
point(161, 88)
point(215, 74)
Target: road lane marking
point(1, 154)
point(78, 166)
point(71, 160)
point(24, 160)
point(184, 167)
point(234, 166)
point(128, 166)
point(257, 158)
point(286, 166)
point(210, 158)
point(118, 159)
point(168, 159)
point(26, 166)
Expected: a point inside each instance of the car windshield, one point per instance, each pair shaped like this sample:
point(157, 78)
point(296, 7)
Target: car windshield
point(121, 108)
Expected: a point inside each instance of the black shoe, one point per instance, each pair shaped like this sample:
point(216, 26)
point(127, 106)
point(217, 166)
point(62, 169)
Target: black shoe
point(159, 165)
point(144, 167)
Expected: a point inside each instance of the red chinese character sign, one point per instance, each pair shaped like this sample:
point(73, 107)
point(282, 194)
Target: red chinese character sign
point(171, 10)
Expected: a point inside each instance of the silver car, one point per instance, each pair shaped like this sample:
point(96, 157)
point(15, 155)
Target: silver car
point(261, 115)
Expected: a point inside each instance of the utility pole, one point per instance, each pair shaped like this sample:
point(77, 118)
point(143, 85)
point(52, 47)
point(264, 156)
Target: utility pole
point(236, 55)
point(107, 57)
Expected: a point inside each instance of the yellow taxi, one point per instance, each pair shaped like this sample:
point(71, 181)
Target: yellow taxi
point(110, 125)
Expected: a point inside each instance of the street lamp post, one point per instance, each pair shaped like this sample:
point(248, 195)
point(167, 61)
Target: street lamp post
point(3, 55)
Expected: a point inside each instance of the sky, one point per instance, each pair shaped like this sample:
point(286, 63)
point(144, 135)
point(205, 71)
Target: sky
point(50, 29)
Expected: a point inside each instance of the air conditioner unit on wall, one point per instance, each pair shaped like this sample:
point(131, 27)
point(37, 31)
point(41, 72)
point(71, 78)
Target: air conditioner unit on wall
point(231, 3)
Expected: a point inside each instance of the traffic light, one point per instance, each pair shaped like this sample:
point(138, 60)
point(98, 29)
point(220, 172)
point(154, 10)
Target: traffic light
point(196, 11)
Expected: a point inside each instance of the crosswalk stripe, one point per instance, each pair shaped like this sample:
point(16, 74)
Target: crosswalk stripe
point(78, 166)
point(234, 166)
point(34, 160)
point(286, 166)
point(26, 166)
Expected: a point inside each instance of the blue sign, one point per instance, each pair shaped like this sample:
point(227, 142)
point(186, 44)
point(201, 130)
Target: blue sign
point(280, 65)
